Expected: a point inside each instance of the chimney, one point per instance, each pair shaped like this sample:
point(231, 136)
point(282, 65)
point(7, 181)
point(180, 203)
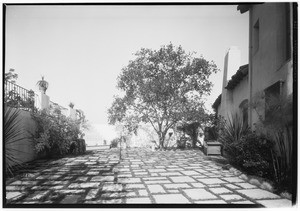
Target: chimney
point(231, 63)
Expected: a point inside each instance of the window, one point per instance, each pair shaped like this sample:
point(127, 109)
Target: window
point(244, 111)
point(272, 96)
point(256, 37)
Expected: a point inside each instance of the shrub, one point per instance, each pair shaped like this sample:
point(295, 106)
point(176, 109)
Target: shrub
point(182, 142)
point(253, 154)
point(55, 133)
point(279, 127)
point(114, 143)
point(245, 149)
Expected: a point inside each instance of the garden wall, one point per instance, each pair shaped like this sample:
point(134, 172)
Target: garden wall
point(24, 150)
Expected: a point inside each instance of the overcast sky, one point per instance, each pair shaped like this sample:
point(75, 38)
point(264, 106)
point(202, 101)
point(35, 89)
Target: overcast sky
point(81, 49)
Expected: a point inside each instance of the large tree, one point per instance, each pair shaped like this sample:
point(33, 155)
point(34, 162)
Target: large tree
point(162, 87)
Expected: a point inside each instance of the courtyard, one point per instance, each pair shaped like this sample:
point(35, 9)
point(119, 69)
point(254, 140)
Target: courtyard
point(141, 176)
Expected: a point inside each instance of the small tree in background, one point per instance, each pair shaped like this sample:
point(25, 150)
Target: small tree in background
point(162, 87)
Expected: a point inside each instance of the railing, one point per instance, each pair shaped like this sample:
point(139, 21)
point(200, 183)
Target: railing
point(53, 106)
point(19, 97)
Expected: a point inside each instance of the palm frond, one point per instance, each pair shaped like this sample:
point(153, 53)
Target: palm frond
point(14, 134)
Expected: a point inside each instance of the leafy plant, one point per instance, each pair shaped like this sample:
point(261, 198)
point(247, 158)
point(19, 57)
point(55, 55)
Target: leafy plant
point(114, 143)
point(249, 151)
point(162, 87)
point(14, 134)
point(11, 76)
point(43, 85)
point(232, 130)
point(253, 153)
point(55, 133)
point(278, 125)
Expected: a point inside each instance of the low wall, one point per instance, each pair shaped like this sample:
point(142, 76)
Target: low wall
point(24, 150)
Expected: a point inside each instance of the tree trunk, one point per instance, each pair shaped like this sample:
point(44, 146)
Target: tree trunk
point(194, 138)
point(161, 136)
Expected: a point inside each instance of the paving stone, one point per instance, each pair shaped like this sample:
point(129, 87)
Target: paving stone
point(154, 178)
point(92, 173)
point(201, 170)
point(80, 191)
point(157, 182)
point(233, 179)
point(199, 194)
point(199, 176)
point(13, 195)
point(70, 199)
point(258, 194)
point(84, 185)
point(156, 189)
point(92, 194)
point(231, 186)
point(143, 193)
point(173, 191)
point(112, 187)
point(118, 194)
point(220, 190)
point(229, 197)
point(242, 202)
point(175, 169)
point(103, 178)
point(15, 188)
point(211, 181)
point(154, 175)
point(129, 180)
point(211, 202)
point(124, 175)
point(141, 173)
point(198, 185)
point(276, 203)
point(134, 186)
point(171, 174)
point(82, 179)
point(156, 170)
point(189, 173)
point(182, 179)
point(39, 195)
point(246, 185)
point(54, 177)
point(19, 182)
point(91, 163)
point(143, 200)
point(56, 187)
point(177, 185)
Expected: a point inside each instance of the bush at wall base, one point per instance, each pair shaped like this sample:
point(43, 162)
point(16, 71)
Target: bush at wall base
point(78, 146)
point(56, 133)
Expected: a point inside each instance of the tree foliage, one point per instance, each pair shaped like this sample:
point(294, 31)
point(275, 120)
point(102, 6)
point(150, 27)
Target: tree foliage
point(162, 87)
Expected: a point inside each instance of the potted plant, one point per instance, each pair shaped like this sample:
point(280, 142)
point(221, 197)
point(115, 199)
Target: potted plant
point(71, 105)
point(43, 85)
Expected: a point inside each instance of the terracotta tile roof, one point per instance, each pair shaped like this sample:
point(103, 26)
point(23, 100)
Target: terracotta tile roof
point(237, 77)
point(217, 102)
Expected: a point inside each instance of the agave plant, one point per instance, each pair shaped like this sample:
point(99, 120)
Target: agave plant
point(43, 85)
point(234, 129)
point(14, 133)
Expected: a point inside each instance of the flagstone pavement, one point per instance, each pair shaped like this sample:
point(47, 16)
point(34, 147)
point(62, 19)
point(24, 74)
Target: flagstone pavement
point(141, 176)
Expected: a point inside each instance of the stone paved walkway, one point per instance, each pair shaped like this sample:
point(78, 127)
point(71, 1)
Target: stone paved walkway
point(140, 177)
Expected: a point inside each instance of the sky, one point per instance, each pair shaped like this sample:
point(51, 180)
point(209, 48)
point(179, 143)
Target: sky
point(80, 50)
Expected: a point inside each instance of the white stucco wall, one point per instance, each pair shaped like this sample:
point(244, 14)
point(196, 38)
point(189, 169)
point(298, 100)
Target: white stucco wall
point(269, 63)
